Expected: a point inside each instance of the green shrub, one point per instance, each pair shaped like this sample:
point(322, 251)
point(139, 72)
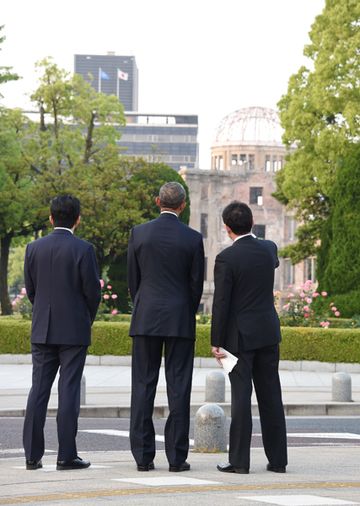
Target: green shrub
point(112, 338)
point(14, 335)
point(348, 303)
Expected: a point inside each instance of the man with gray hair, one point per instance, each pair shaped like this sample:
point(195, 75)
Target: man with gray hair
point(165, 278)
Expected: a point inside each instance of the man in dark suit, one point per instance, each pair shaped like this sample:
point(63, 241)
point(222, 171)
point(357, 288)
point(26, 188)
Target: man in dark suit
point(62, 283)
point(165, 277)
point(245, 323)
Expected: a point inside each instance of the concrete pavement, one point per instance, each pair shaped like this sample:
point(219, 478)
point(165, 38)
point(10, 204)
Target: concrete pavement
point(316, 475)
point(307, 387)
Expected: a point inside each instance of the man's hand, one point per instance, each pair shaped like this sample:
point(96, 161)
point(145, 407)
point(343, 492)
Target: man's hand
point(215, 350)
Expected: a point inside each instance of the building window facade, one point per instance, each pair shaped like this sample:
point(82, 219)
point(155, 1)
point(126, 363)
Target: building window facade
point(204, 225)
point(259, 231)
point(256, 195)
point(289, 273)
point(310, 269)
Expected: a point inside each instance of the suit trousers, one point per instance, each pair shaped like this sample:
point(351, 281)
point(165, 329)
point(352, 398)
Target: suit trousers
point(47, 360)
point(261, 367)
point(146, 361)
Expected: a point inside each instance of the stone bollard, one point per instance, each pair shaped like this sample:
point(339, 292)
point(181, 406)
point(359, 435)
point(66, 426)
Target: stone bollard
point(215, 387)
point(341, 387)
point(209, 429)
point(83, 391)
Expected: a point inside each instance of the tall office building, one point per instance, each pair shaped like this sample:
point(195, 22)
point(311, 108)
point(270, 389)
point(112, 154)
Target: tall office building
point(111, 74)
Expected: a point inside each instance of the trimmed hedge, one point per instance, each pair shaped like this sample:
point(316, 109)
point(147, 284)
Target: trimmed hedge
point(112, 338)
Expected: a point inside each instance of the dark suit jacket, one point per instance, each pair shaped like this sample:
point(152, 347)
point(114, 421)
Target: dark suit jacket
point(243, 314)
point(165, 277)
point(62, 283)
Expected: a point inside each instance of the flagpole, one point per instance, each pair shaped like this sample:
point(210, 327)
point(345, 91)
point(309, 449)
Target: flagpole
point(99, 81)
point(117, 84)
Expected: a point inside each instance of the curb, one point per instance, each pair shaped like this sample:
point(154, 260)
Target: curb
point(199, 362)
point(291, 409)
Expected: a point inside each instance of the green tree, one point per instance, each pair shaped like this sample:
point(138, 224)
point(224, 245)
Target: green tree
point(320, 115)
point(72, 147)
point(341, 269)
point(18, 206)
point(6, 73)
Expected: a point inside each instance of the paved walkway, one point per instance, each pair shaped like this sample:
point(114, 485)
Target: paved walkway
point(305, 392)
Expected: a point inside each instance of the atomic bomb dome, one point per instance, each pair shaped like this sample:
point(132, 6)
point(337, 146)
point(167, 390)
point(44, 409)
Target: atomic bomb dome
point(249, 126)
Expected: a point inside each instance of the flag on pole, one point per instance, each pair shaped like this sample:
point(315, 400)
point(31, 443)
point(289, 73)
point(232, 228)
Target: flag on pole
point(123, 75)
point(102, 75)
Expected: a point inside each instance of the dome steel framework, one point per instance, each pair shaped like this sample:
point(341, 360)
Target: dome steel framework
point(249, 126)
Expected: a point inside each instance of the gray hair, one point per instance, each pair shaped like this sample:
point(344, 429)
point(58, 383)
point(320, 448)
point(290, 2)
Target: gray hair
point(172, 195)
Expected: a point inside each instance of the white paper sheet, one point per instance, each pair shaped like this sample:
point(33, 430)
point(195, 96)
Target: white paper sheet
point(229, 362)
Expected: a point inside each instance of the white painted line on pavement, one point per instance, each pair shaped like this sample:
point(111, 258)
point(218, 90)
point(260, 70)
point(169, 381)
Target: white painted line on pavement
point(123, 433)
point(296, 500)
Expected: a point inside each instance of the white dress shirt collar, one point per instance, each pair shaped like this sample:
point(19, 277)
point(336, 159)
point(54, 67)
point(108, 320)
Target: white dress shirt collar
point(169, 212)
point(64, 228)
point(244, 235)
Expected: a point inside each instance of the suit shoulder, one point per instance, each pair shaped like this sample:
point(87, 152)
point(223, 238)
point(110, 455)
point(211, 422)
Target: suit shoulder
point(82, 243)
point(225, 253)
point(268, 244)
point(194, 233)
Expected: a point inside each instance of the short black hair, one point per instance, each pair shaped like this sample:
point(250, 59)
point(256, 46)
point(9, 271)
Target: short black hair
point(238, 217)
point(65, 210)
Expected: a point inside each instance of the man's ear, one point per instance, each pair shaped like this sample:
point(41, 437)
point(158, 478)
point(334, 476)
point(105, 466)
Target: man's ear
point(51, 219)
point(157, 201)
point(77, 222)
point(228, 229)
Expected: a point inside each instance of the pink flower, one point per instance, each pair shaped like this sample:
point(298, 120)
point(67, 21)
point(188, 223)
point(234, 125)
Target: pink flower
point(315, 294)
point(286, 307)
point(106, 296)
point(290, 295)
point(324, 324)
point(102, 283)
point(114, 311)
point(334, 309)
point(306, 309)
point(23, 291)
point(109, 287)
point(306, 315)
point(308, 300)
point(337, 313)
point(114, 296)
point(324, 294)
point(302, 295)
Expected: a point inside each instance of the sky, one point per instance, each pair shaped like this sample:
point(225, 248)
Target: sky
point(204, 57)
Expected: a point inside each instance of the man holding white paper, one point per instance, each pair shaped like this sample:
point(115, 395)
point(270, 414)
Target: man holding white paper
point(245, 324)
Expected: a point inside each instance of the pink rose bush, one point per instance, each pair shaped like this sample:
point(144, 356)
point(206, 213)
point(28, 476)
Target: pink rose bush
point(298, 310)
point(108, 300)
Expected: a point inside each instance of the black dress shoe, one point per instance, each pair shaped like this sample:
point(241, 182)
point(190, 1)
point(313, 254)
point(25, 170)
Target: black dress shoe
point(77, 463)
point(274, 469)
point(229, 468)
point(185, 466)
point(31, 465)
point(146, 467)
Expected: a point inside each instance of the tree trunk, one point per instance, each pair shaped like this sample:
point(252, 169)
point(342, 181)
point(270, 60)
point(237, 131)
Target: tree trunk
point(5, 242)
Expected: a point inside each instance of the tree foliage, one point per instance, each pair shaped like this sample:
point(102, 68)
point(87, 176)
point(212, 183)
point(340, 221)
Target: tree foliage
point(6, 73)
point(340, 270)
point(321, 118)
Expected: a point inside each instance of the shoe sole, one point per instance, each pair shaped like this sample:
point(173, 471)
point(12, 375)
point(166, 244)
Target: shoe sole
point(235, 470)
point(60, 468)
